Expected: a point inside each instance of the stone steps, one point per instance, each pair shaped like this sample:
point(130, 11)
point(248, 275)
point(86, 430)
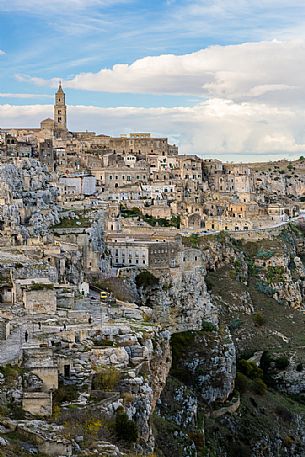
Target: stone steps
point(11, 349)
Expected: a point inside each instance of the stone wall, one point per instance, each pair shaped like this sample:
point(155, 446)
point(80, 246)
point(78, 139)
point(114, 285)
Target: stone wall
point(37, 403)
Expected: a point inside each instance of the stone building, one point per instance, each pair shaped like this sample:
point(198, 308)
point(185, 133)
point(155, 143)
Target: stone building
point(60, 110)
point(119, 177)
point(37, 295)
point(78, 184)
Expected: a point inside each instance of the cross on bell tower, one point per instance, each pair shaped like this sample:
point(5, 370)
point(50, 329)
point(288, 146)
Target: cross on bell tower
point(60, 110)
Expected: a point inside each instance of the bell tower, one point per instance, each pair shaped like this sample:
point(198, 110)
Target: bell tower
point(60, 110)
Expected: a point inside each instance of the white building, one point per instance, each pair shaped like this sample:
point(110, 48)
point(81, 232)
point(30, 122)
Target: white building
point(157, 190)
point(79, 184)
point(129, 253)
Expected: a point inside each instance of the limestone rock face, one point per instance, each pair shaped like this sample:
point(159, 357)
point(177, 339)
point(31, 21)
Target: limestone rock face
point(205, 361)
point(211, 363)
point(179, 407)
point(110, 356)
point(28, 198)
point(281, 184)
point(181, 302)
point(32, 382)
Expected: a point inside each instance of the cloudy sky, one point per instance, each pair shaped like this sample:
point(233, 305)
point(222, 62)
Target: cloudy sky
point(220, 78)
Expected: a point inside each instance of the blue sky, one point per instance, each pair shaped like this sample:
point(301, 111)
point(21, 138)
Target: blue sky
point(199, 100)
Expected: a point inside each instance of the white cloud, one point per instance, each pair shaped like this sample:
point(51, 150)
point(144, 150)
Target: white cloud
point(215, 128)
point(2, 53)
point(15, 95)
point(252, 100)
point(59, 6)
point(265, 71)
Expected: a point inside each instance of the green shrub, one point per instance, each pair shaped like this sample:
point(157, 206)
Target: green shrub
point(275, 274)
point(17, 412)
point(107, 379)
point(234, 324)
point(250, 369)
point(162, 221)
point(198, 439)
point(174, 221)
point(65, 394)
point(242, 383)
point(180, 342)
point(265, 288)
point(182, 374)
point(194, 240)
point(208, 326)
point(258, 386)
point(264, 253)
point(146, 279)
point(281, 362)
point(284, 413)
point(288, 441)
point(258, 319)
point(239, 450)
point(73, 222)
point(221, 236)
point(10, 373)
point(125, 428)
point(133, 212)
point(40, 286)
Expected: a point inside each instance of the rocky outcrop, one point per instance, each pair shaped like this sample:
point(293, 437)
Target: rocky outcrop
point(29, 199)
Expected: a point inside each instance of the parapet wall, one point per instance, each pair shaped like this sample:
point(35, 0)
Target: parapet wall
point(258, 234)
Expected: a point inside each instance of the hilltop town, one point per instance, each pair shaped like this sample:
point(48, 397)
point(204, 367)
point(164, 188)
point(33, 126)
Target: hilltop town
point(105, 247)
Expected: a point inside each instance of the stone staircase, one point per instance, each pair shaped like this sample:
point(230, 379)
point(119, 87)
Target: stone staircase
point(11, 349)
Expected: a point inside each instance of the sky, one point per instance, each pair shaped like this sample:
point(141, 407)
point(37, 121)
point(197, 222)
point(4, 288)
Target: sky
point(221, 79)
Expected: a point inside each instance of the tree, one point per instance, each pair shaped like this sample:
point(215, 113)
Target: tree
point(125, 428)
